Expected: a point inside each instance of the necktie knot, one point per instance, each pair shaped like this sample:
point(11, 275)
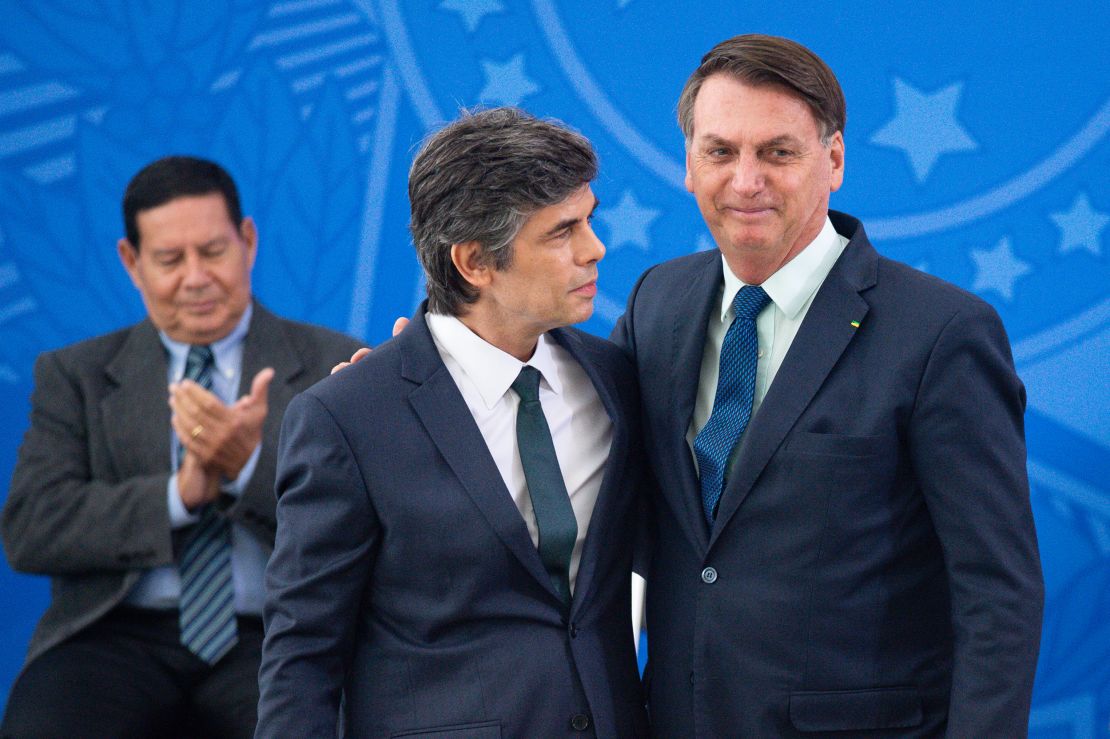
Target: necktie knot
point(199, 363)
point(749, 301)
point(527, 384)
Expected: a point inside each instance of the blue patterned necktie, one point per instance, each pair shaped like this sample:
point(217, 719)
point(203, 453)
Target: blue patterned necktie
point(732, 405)
point(207, 615)
point(554, 516)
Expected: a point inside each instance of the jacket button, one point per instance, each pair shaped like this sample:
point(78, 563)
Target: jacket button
point(573, 631)
point(709, 575)
point(580, 722)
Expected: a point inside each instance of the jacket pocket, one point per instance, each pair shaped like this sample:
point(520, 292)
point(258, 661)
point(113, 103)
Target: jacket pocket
point(856, 710)
point(480, 730)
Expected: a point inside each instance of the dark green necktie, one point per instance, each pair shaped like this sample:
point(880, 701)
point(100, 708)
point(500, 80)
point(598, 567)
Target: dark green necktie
point(554, 515)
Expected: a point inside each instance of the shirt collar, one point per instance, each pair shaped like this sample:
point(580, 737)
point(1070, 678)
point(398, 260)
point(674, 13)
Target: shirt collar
point(223, 350)
point(492, 370)
point(794, 282)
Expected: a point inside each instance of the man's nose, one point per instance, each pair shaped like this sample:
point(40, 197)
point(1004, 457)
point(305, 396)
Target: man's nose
point(590, 248)
point(748, 177)
point(196, 271)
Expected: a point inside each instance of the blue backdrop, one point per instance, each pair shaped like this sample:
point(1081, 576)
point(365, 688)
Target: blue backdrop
point(978, 144)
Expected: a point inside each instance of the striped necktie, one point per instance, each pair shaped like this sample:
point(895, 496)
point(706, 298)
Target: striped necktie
point(207, 611)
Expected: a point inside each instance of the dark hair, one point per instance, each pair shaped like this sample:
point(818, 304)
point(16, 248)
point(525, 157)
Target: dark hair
point(173, 177)
point(770, 60)
point(479, 179)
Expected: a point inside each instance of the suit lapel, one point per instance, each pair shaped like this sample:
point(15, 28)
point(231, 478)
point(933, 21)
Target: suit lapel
point(139, 436)
point(690, 320)
point(822, 338)
point(266, 345)
point(439, 405)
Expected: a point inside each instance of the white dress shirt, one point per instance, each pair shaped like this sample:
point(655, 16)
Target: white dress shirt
point(161, 586)
point(581, 430)
point(791, 289)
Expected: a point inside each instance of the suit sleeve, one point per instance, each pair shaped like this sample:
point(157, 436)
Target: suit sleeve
point(327, 533)
point(319, 350)
point(60, 521)
point(967, 442)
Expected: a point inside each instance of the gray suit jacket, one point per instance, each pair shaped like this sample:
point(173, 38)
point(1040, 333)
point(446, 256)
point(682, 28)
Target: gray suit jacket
point(87, 503)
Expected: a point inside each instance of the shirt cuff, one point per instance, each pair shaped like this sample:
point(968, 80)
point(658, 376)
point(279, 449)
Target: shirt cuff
point(239, 484)
point(179, 514)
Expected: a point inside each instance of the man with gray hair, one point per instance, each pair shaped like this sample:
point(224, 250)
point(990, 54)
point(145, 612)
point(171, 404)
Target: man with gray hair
point(453, 554)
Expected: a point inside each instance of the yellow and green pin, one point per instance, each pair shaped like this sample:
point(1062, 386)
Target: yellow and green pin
point(855, 324)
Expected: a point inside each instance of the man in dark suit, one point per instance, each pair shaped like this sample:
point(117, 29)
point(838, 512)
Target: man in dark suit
point(844, 541)
point(453, 553)
point(155, 525)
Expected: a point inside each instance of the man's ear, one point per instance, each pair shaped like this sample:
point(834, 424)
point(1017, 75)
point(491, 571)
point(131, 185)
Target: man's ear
point(836, 158)
point(248, 232)
point(689, 180)
point(468, 260)
point(129, 256)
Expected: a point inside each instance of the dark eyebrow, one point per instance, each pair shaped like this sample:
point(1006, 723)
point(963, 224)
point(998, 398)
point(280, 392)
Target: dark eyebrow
point(784, 140)
point(568, 222)
point(161, 250)
point(712, 139)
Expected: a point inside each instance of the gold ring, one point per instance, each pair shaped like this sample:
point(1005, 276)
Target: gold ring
point(197, 431)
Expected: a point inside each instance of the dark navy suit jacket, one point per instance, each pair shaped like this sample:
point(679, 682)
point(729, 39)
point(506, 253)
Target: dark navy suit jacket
point(404, 578)
point(873, 567)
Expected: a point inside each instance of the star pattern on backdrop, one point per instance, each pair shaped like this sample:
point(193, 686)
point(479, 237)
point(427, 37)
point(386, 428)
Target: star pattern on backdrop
point(628, 222)
point(472, 11)
point(1081, 227)
point(998, 268)
point(925, 126)
point(506, 82)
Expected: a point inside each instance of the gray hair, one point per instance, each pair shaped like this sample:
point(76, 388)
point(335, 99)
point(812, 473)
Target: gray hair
point(479, 179)
point(760, 60)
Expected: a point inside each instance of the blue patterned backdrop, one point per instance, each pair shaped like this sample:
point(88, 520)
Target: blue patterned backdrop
point(978, 145)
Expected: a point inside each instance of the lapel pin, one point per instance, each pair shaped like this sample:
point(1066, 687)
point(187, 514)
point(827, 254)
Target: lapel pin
point(855, 324)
